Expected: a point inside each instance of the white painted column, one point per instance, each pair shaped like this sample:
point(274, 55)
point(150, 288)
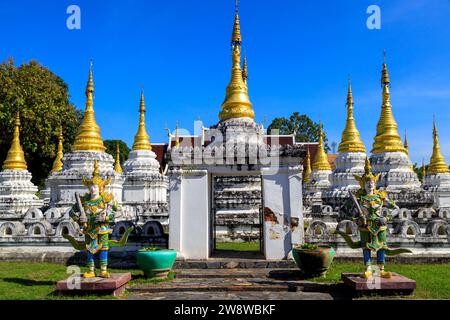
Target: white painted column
point(175, 211)
point(275, 204)
point(195, 215)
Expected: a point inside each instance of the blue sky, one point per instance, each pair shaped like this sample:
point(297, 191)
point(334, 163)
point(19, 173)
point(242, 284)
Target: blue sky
point(300, 54)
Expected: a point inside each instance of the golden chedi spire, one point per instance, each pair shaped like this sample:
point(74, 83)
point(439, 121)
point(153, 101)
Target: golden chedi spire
point(307, 171)
point(177, 136)
point(405, 143)
point(15, 159)
point(237, 103)
point(245, 70)
point(321, 160)
point(437, 161)
point(88, 137)
point(141, 139)
point(58, 164)
point(117, 166)
point(387, 138)
point(351, 140)
point(424, 170)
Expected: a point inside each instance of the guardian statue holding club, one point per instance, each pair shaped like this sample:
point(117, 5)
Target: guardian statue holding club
point(372, 225)
point(95, 213)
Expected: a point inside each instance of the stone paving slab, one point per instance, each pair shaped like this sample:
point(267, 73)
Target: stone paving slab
point(240, 295)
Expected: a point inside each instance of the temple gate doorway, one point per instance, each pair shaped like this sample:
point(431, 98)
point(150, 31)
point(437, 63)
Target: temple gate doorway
point(236, 216)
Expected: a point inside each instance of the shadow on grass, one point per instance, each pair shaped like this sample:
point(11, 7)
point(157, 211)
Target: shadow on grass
point(29, 282)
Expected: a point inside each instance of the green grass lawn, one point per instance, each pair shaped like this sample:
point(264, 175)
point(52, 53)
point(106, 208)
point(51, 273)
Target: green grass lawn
point(36, 281)
point(238, 246)
point(20, 280)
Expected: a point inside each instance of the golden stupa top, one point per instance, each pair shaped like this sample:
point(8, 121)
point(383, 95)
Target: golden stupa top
point(320, 162)
point(142, 139)
point(58, 164)
point(117, 166)
point(437, 160)
point(307, 171)
point(406, 144)
point(387, 138)
point(245, 70)
point(424, 170)
point(88, 137)
point(351, 140)
point(177, 136)
point(237, 102)
point(15, 159)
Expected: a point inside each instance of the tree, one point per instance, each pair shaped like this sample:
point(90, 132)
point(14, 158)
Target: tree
point(419, 170)
point(43, 101)
point(306, 129)
point(111, 148)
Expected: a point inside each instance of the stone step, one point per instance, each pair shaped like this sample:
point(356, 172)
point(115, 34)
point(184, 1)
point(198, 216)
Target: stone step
point(216, 284)
point(230, 263)
point(222, 273)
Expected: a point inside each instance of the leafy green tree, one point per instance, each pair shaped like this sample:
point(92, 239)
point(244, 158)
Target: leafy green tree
point(43, 101)
point(111, 148)
point(306, 129)
point(419, 170)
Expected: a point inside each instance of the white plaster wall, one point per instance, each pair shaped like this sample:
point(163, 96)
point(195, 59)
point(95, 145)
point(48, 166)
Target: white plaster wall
point(282, 201)
point(189, 215)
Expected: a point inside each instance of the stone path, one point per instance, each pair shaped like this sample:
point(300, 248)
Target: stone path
point(235, 284)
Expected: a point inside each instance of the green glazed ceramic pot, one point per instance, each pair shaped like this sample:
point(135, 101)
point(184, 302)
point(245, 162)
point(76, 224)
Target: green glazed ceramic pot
point(314, 262)
point(156, 263)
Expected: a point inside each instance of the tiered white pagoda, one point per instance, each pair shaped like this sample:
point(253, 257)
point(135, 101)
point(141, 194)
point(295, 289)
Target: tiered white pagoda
point(145, 185)
point(437, 178)
point(87, 148)
point(390, 158)
point(350, 160)
point(319, 179)
point(17, 192)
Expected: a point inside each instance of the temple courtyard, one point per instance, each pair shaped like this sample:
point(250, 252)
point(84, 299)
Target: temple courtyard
point(24, 280)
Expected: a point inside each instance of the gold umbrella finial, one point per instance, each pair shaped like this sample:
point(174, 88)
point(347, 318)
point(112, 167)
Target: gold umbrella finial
point(15, 159)
point(320, 162)
point(237, 102)
point(177, 137)
point(117, 166)
point(89, 137)
point(351, 139)
point(437, 160)
point(58, 164)
point(142, 139)
point(387, 138)
point(307, 172)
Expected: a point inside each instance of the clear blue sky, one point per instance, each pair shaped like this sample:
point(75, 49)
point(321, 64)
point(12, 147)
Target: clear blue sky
point(299, 54)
